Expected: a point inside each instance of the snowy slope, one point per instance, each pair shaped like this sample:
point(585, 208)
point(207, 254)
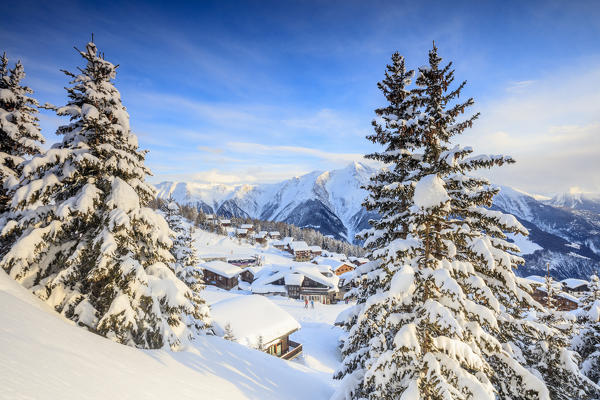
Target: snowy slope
point(43, 356)
point(567, 238)
point(318, 335)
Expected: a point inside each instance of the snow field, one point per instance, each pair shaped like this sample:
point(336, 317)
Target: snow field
point(43, 356)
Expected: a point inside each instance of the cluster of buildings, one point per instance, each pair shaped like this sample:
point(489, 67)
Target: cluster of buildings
point(312, 274)
point(317, 281)
point(566, 293)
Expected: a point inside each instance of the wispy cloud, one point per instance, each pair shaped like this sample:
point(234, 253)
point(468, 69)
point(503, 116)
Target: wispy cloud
point(285, 151)
point(552, 128)
point(518, 86)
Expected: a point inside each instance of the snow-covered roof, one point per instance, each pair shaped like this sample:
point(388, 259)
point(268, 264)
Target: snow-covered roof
point(560, 294)
point(269, 274)
point(315, 248)
point(293, 278)
point(323, 267)
point(273, 233)
point(260, 235)
point(333, 263)
point(246, 226)
point(541, 280)
point(338, 256)
point(254, 270)
point(222, 268)
point(568, 297)
point(251, 317)
point(573, 283)
point(299, 246)
point(241, 231)
point(311, 271)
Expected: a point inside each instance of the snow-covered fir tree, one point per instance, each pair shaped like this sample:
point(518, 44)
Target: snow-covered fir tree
point(428, 319)
point(185, 263)
point(228, 334)
point(87, 243)
point(19, 130)
point(587, 342)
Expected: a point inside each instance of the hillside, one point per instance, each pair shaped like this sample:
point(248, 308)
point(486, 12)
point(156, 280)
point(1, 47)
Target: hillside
point(564, 229)
point(44, 356)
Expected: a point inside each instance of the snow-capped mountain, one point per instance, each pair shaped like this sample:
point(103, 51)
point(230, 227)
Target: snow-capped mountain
point(564, 230)
point(565, 237)
point(577, 201)
point(328, 201)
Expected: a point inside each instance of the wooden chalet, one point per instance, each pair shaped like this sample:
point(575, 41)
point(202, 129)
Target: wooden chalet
point(257, 322)
point(221, 274)
point(279, 244)
point(562, 301)
point(225, 223)
point(338, 267)
point(260, 237)
point(286, 241)
point(301, 251)
point(243, 261)
point(575, 286)
point(241, 233)
point(250, 274)
point(275, 235)
point(315, 251)
point(248, 227)
point(304, 281)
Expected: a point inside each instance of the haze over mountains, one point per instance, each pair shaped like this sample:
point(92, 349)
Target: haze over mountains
point(564, 230)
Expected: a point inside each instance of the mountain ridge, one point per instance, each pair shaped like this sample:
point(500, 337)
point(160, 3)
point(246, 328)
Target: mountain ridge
point(564, 230)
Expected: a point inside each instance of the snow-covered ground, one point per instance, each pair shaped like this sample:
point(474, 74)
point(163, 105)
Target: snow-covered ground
point(43, 356)
point(318, 336)
point(211, 244)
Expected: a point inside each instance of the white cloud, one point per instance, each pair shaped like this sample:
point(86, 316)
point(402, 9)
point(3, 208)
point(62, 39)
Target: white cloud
point(282, 151)
point(551, 127)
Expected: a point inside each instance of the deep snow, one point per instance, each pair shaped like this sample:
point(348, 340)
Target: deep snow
point(43, 356)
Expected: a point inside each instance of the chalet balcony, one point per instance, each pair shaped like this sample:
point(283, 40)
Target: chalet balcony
point(294, 351)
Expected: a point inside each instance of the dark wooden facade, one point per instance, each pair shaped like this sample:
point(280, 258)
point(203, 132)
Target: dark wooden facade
point(284, 347)
point(212, 278)
point(310, 290)
point(342, 269)
point(302, 255)
point(561, 303)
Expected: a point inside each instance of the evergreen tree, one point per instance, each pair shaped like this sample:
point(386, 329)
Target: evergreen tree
point(87, 242)
point(587, 342)
point(19, 130)
point(228, 335)
point(428, 319)
point(185, 263)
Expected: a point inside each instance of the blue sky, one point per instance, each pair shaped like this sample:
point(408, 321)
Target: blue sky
point(246, 92)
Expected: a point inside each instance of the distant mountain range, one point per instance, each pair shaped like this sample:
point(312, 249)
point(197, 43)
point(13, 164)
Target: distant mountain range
point(564, 230)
